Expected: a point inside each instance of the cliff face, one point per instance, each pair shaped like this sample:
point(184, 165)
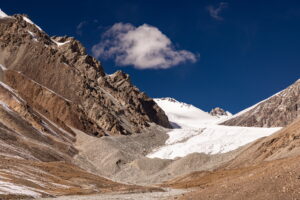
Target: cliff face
point(36, 154)
point(50, 90)
point(57, 78)
point(277, 111)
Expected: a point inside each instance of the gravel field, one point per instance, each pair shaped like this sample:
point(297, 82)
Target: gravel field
point(133, 196)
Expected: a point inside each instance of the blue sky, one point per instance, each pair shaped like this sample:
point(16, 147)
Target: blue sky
point(245, 50)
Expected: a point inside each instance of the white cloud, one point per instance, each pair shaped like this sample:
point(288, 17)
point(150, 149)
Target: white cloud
point(143, 47)
point(215, 12)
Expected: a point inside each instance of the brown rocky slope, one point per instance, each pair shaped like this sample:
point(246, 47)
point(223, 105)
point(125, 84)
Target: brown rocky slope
point(36, 155)
point(266, 169)
point(50, 90)
point(277, 111)
point(104, 104)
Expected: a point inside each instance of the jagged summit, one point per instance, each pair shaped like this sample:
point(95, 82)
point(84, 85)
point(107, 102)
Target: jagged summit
point(219, 112)
point(51, 93)
point(94, 103)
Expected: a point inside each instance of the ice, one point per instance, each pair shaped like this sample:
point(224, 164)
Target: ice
point(199, 132)
point(212, 139)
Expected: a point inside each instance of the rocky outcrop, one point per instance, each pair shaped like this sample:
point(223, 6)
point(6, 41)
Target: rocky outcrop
point(219, 112)
point(277, 111)
point(48, 70)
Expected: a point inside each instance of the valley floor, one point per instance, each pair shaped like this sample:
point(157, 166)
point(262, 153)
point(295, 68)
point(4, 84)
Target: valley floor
point(133, 196)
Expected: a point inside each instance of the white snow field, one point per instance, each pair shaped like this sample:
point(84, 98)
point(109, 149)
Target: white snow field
point(2, 14)
point(199, 132)
point(184, 115)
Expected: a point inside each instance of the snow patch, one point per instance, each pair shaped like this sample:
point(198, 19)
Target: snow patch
point(3, 14)
point(53, 124)
point(10, 188)
point(3, 68)
point(60, 43)
point(34, 38)
point(17, 96)
point(5, 106)
point(31, 22)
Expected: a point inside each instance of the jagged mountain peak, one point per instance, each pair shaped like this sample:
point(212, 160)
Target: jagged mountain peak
point(104, 104)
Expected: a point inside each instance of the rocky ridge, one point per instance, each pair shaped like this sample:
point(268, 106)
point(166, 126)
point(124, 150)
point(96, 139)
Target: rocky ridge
point(279, 110)
point(101, 104)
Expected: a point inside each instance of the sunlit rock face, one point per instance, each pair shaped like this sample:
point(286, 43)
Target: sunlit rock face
point(279, 110)
point(56, 77)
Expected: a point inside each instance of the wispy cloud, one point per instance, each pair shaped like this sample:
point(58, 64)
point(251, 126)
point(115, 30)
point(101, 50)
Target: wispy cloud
point(80, 26)
point(143, 47)
point(216, 11)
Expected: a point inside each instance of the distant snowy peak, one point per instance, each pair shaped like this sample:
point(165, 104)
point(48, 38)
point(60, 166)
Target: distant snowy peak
point(184, 115)
point(219, 112)
point(169, 104)
point(172, 101)
point(3, 14)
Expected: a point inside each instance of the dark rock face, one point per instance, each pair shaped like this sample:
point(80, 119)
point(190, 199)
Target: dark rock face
point(46, 70)
point(277, 111)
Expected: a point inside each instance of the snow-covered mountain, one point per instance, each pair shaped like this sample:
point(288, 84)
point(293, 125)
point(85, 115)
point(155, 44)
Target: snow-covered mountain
point(199, 132)
point(3, 14)
point(184, 115)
